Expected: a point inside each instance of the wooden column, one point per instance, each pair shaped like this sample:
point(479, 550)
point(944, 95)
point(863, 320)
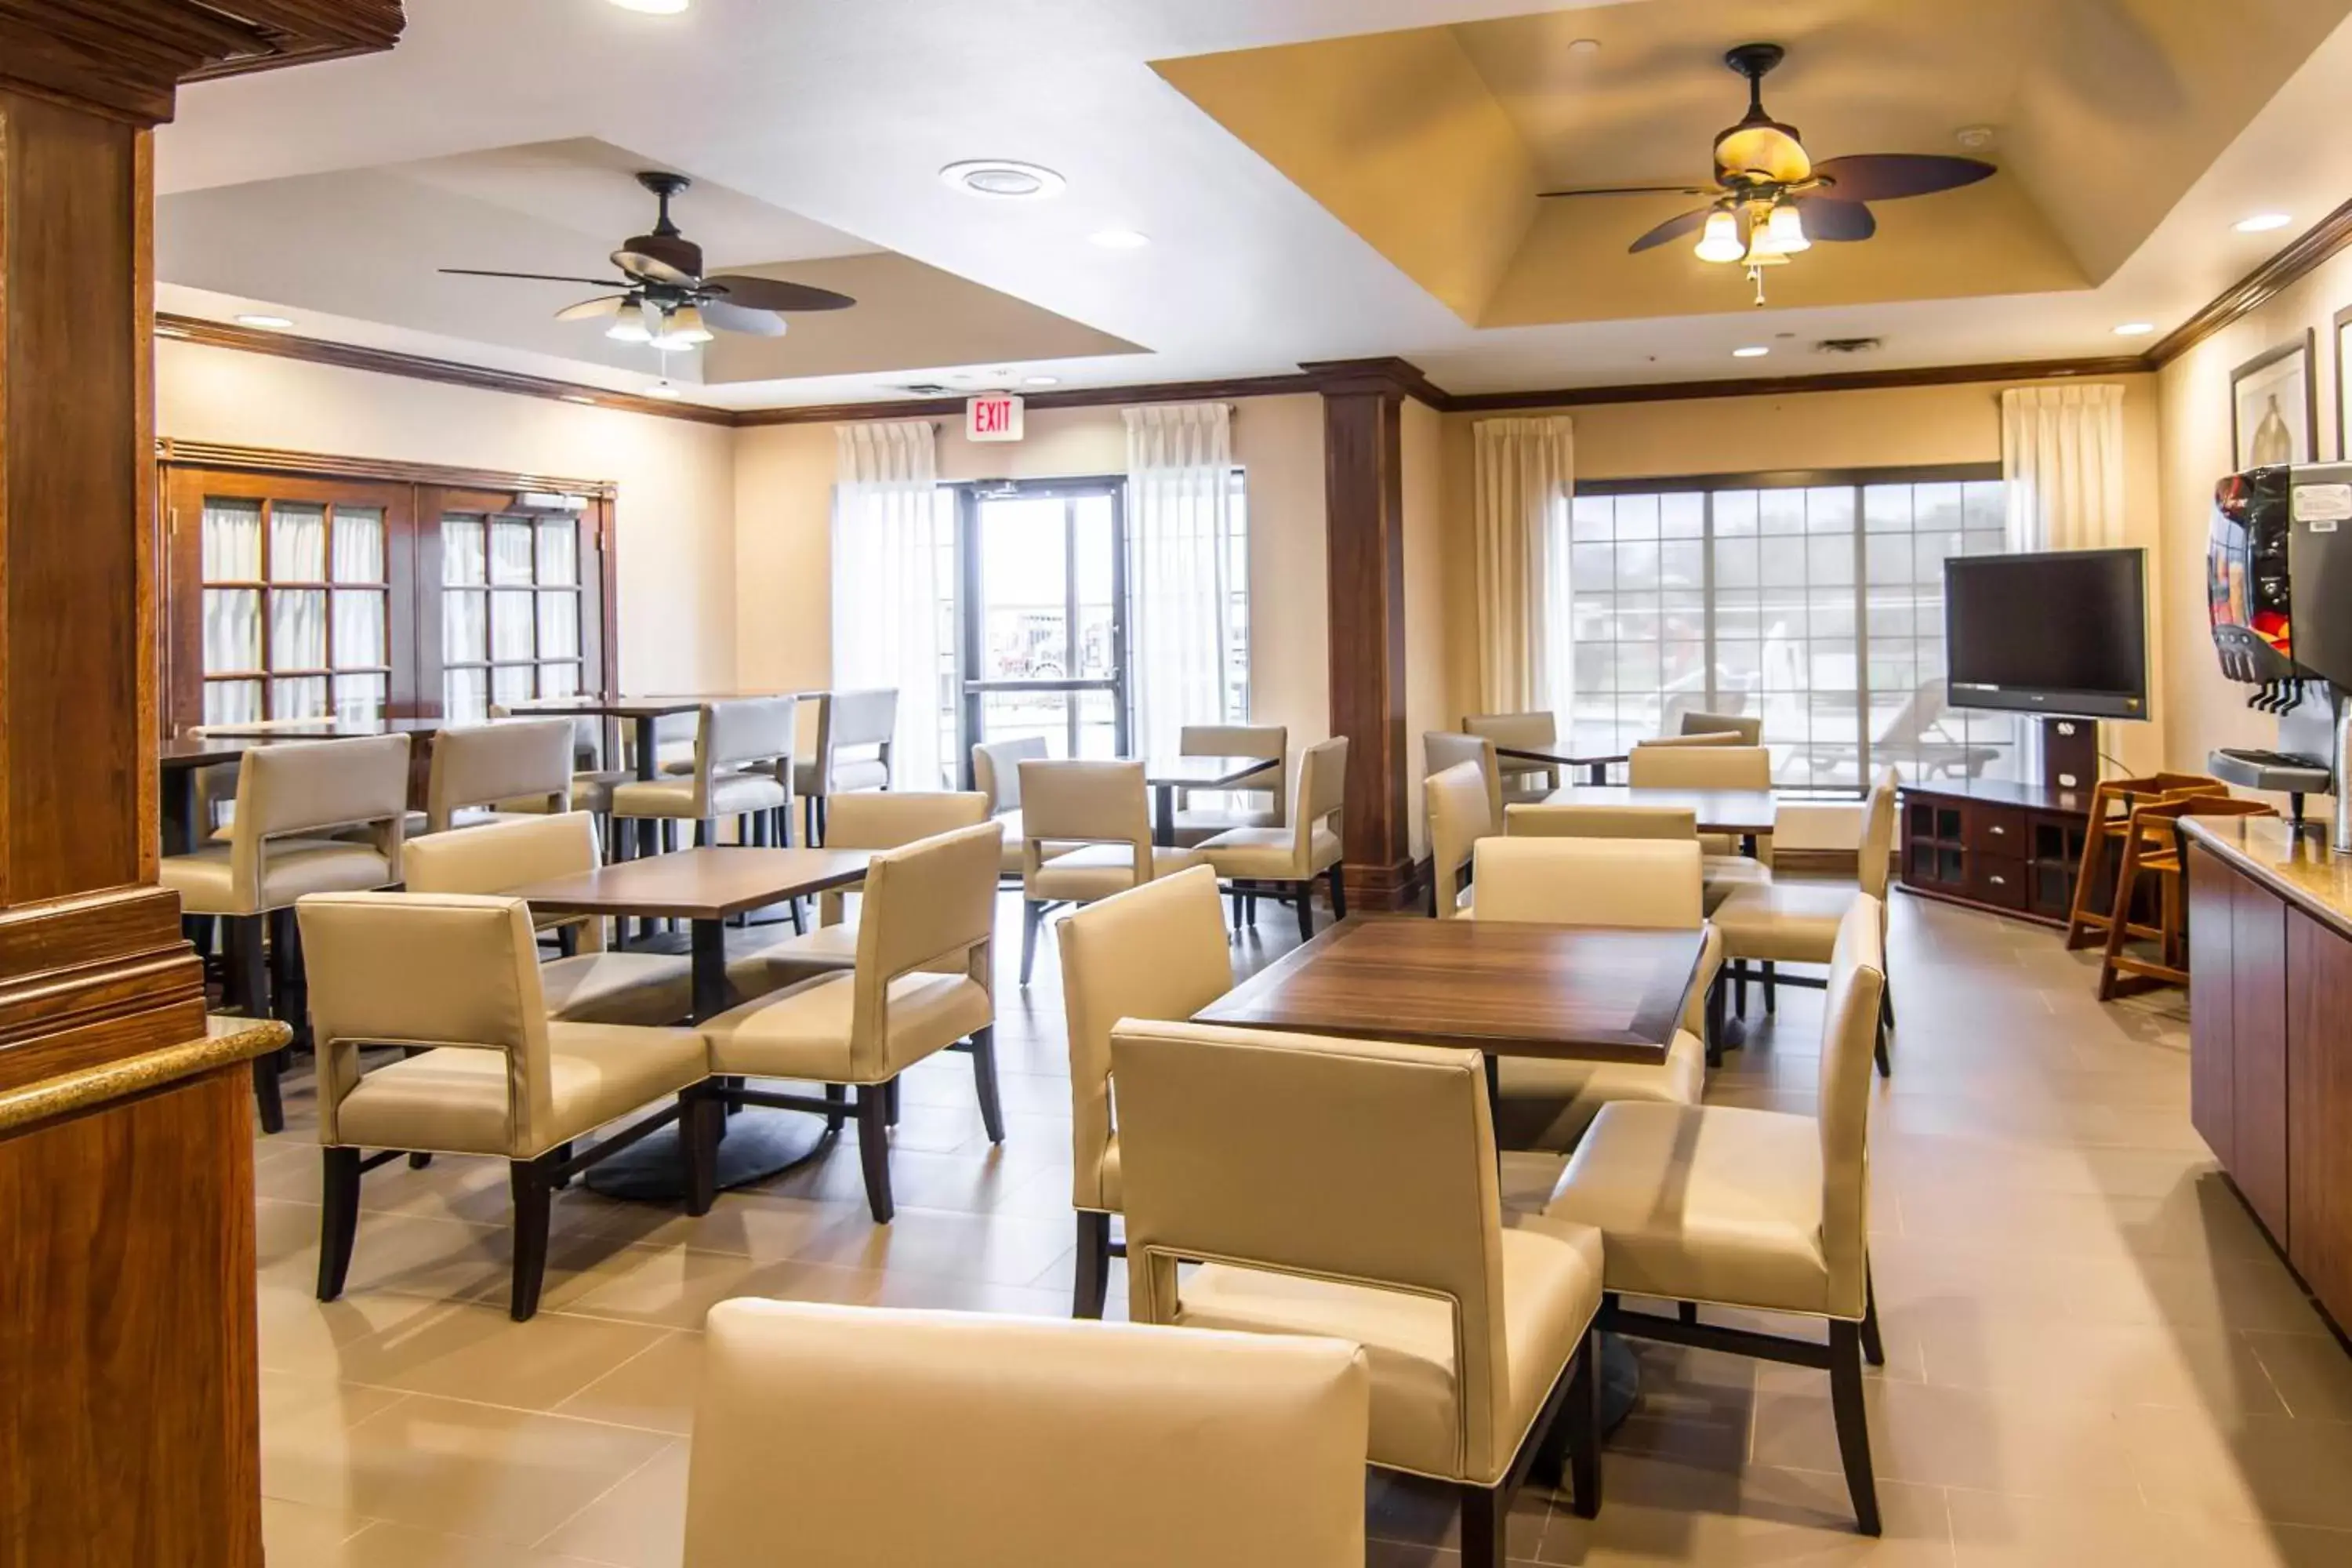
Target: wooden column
point(1363, 491)
point(127, 1379)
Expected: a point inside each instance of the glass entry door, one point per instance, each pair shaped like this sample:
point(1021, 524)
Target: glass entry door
point(1045, 636)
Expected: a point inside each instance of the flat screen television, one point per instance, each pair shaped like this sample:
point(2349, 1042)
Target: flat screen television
point(2063, 633)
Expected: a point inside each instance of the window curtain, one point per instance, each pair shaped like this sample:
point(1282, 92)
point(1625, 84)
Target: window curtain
point(1524, 471)
point(889, 573)
point(1179, 462)
point(2062, 461)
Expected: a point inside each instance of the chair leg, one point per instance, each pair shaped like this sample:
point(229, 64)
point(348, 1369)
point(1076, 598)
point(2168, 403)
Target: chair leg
point(890, 1103)
point(1484, 1512)
point(1093, 1287)
point(1873, 1349)
point(339, 1219)
point(699, 1116)
point(703, 836)
point(984, 1078)
point(1853, 1426)
point(1339, 894)
point(1249, 907)
point(1582, 1420)
point(534, 1196)
point(1033, 914)
point(1739, 986)
point(836, 1094)
point(1304, 892)
point(1879, 1053)
point(270, 1103)
point(1237, 911)
point(1771, 991)
point(874, 1151)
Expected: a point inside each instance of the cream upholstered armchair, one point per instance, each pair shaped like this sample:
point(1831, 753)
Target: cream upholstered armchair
point(1271, 782)
point(874, 820)
point(1793, 917)
point(996, 774)
point(1442, 749)
point(1349, 1188)
point(736, 747)
point(926, 907)
point(1570, 821)
point(1154, 952)
point(291, 801)
point(853, 731)
point(1645, 884)
point(455, 979)
point(1100, 807)
point(481, 768)
point(1460, 806)
point(1285, 862)
point(1037, 1444)
point(1761, 1211)
point(1529, 732)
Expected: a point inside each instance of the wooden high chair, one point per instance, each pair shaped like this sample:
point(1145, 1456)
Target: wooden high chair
point(2112, 801)
point(2152, 847)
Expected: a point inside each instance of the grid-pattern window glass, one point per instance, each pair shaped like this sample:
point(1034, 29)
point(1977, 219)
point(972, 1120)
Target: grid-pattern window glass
point(509, 612)
point(295, 610)
point(1817, 607)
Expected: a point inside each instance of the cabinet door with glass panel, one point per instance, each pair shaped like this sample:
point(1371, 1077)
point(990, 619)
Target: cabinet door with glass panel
point(505, 597)
point(295, 597)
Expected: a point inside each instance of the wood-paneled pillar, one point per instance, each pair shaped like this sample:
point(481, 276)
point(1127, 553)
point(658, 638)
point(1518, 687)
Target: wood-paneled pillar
point(1363, 492)
point(127, 1379)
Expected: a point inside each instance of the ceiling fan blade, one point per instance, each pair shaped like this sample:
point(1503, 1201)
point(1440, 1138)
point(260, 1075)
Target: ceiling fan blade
point(1831, 217)
point(1672, 230)
point(773, 294)
point(663, 258)
point(532, 277)
point(729, 318)
point(1690, 190)
point(1887, 176)
point(591, 309)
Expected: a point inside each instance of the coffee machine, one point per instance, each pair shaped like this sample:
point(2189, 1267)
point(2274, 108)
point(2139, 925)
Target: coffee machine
point(2278, 568)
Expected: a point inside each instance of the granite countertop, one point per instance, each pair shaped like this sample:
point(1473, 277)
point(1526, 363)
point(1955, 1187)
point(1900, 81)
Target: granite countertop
point(2300, 867)
point(226, 1040)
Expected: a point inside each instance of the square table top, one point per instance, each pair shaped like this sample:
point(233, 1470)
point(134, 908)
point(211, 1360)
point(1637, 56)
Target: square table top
point(203, 751)
point(1575, 992)
point(708, 884)
point(1556, 755)
point(1738, 811)
point(1202, 773)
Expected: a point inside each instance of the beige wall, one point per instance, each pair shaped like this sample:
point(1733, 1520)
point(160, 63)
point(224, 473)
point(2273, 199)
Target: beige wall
point(1425, 604)
point(676, 516)
point(784, 500)
point(2209, 711)
point(1888, 427)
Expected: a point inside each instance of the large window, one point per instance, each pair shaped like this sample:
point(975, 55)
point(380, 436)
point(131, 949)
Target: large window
point(1814, 602)
point(510, 611)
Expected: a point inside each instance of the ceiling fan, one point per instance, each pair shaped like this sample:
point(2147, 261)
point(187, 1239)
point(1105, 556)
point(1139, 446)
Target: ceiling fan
point(1767, 182)
point(665, 300)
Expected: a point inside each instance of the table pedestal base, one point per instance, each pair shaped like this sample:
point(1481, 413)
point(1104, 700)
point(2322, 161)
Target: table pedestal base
point(759, 1144)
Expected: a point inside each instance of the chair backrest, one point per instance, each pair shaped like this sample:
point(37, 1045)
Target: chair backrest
point(429, 970)
point(1037, 1442)
point(1748, 726)
point(305, 786)
point(929, 901)
point(1157, 950)
point(1085, 801)
point(745, 730)
point(1535, 731)
point(1347, 1160)
point(1877, 846)
point(1651, 882)
point(863, 718)
point(886, 819)
point(1700, 767)
point(1460, 804)
point(499, 856)
point(1703, 738)
point(1271, 741)
point(996, 770)
point(1322, 793)
point(1442, 749)
point(1541, 819)
point(482, 764)
point(1849, 1037)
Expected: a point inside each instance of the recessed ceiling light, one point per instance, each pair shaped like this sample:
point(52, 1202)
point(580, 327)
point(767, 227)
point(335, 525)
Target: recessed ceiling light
point(1584, 47)
point(1120, 239)
point(1001, 179)
point(1041, 381)
point(2262, 223)
point(1757, 351)
point(272, 323)
point(2135, 329)
point(655, 7)
point(662, 389)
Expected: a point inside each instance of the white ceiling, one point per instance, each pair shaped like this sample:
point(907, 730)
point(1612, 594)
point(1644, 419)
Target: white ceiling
point(818, 130)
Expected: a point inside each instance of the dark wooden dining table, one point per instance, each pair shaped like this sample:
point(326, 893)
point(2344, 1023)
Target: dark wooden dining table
point(645, 713)
point(1596, 769)
point(1745, 814)
point(1167, 775)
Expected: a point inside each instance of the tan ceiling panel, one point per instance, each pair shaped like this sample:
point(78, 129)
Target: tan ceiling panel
point(1397, 135)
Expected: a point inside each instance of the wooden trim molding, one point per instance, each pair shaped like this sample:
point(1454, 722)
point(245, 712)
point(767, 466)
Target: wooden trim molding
point(124, 59)
point(388, 470)
point(1078, 397)
point(1788, 385)
point(2315, 245)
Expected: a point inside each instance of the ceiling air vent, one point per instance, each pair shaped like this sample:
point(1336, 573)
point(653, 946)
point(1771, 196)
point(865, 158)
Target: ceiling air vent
point(925, 389)
point(1847, 346)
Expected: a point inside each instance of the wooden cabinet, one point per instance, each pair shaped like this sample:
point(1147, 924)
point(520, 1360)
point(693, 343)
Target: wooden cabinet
point(2212, 1027)
point(2318, 1142)
point(1992, 845)
point(2258, 1075)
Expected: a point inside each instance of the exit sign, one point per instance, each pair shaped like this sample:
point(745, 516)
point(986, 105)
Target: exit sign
point(992, 416)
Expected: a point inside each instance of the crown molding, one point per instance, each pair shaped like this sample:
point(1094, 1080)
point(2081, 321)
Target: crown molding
point(1787, 385)
point(1077, 397)
point(125, 59)
point(2315, 245)
point(174, 453)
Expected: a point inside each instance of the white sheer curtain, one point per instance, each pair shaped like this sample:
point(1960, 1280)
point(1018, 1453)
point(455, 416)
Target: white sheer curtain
point(1179, 467)
point(889, 579)
point(2061, 463)
point(1524, 471)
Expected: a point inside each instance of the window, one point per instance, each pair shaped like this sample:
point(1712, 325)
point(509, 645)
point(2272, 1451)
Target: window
point(1815, 602)
point(510, 611)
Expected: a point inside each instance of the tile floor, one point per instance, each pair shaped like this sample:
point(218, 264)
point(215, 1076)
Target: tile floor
point(2093, 1355)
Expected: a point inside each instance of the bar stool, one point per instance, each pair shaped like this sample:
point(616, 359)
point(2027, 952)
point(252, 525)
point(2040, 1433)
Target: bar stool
point(2152, 847)
point(846, 722)
point(292, 799)
point(2112, 801)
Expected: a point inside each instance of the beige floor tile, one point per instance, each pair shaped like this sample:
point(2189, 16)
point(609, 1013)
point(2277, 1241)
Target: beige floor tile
point(2200, 1542)
point(294, 1535)
point(997, 1248)
point(399, 1546)
point(477, 1352)
point(1653, 1513)
point(1994, 1530)
point(2310, 1372)
point(2257, 1469)
point(641, 1522)
point(655, 1389)
point(1412, 1511)
point(2113, 1365)
point(2005, 1442)
point(676, 1288)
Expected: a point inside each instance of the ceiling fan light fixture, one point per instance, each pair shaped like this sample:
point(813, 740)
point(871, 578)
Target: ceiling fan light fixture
point(1720, 241)
point(1784, 232)
point(628, 328)
point(664, 388)
point(684, 329)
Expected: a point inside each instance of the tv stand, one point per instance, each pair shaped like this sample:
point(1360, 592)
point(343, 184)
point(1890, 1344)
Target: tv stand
point(1988, 843)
